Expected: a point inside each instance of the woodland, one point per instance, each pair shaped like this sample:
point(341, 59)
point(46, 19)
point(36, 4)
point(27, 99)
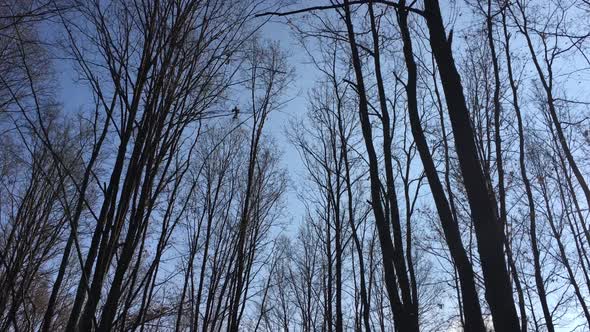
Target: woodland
point(442, 180)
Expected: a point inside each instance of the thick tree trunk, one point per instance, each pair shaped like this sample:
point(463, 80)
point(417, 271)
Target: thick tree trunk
point(471, 306)
point(489, 232)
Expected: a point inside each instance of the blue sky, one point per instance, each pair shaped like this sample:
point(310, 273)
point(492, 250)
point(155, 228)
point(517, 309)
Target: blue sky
point(304, 79)
point(74, 96)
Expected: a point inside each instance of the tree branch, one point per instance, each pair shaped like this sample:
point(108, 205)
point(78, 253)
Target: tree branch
point(334, 6)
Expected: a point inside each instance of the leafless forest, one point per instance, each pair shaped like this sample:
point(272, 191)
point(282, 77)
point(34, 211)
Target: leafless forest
point(443, 179)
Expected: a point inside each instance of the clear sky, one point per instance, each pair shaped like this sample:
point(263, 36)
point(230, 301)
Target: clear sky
point(74, 96)
point(304, 79)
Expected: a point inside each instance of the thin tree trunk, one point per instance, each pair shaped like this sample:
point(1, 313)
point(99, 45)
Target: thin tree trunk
point(527, 185)
point(402, 321)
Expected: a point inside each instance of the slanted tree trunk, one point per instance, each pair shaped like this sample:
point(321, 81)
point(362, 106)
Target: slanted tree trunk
point(489, 232)
point(527, 186)
point(471, 306)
